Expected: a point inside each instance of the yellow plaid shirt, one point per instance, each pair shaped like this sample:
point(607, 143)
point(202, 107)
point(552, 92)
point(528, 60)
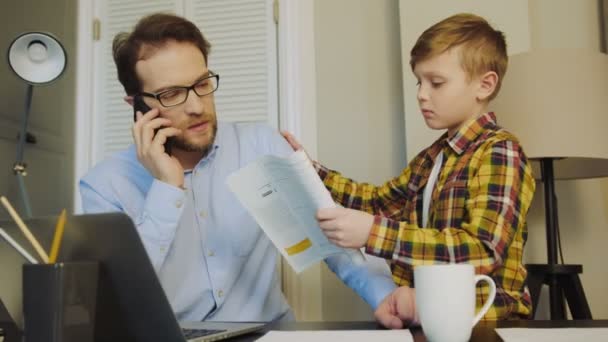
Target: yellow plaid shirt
point(477, 213)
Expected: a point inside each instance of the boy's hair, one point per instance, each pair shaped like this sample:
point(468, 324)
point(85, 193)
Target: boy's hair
point(483, 48)
point(151, 33)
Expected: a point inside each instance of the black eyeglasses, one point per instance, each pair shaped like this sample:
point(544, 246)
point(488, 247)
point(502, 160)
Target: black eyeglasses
point(178, 95)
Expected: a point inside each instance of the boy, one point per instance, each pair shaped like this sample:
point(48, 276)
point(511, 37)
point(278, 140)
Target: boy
point(464, 199)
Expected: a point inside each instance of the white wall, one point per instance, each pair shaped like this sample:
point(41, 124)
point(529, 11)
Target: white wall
point(416, 16)
point(583, 205)
point(50, 171)
point(359, 110)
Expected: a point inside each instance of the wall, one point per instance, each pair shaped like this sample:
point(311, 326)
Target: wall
point(49, 180)
point(582, 204)
point(359, 110)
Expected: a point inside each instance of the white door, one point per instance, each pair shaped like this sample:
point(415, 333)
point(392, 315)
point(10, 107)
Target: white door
point(243, 38)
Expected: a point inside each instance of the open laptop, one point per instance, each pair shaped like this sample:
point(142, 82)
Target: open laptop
point(131, 304)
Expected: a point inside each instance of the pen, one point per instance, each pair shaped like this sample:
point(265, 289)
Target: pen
point(57, 237)
point(24, 229)
point(17, 246)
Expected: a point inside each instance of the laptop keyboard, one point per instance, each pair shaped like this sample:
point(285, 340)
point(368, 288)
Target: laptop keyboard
point(194, 333)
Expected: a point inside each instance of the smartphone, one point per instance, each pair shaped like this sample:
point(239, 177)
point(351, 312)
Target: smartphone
point(140, 105)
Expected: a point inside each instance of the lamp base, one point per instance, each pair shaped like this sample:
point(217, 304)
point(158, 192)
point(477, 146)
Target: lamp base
point(560, 279)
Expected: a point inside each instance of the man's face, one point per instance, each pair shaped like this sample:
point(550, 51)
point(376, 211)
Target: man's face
point(446, 95)
point(177, 64)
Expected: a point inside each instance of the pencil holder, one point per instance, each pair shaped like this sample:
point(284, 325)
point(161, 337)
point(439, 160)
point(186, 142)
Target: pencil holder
point(59, 301)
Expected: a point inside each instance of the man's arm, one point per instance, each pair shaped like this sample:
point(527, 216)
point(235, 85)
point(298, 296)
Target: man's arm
point(371, 279)
point(500, 194)
point(157, 222)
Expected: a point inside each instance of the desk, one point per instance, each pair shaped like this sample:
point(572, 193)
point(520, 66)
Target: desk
point(483, 332)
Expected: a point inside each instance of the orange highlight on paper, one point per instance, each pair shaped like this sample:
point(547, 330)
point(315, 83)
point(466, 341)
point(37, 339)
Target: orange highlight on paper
point(299, 247)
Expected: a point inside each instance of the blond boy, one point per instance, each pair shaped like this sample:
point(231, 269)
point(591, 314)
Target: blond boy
point(465, 198)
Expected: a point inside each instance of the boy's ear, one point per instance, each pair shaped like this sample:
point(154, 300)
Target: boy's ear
point(487, 85)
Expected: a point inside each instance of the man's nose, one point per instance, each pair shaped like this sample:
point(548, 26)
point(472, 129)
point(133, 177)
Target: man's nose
point(194, 104)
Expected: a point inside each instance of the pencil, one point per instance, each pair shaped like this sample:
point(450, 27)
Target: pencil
point(17, 247)
point(57, 237)
point(24, 229)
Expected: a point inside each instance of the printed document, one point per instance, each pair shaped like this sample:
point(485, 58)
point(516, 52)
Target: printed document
point(283, 196)
point(402, 335)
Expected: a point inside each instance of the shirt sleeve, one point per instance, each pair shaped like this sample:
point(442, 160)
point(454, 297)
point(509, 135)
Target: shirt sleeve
point(370, 279)
point(500, 194)
point(157, 222)
point(387, 200)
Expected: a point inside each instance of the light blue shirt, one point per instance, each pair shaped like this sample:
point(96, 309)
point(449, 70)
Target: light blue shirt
point(212, 259)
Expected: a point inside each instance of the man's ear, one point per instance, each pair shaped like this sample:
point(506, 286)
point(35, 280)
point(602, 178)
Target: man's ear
point(487, 85)
point(129, 99)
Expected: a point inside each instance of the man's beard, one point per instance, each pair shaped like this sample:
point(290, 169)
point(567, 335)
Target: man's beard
point(184, 145)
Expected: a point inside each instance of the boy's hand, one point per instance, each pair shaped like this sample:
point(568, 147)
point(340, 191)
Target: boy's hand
point(292, 141)
point(345, 227)
point(398, 309)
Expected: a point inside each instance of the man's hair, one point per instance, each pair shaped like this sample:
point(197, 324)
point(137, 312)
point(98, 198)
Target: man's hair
point(151, 33)
point(483, 48)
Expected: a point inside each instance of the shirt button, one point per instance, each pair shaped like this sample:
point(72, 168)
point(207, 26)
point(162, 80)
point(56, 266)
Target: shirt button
point(220, 293)
point(178, 204)
point(210, 253)
point(163, 249)
point(202, 214)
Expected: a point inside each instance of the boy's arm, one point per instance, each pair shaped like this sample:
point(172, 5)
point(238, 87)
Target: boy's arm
point(387, 200)
point(500, 195)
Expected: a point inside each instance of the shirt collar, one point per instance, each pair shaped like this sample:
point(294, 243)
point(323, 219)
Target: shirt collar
point(469, 132)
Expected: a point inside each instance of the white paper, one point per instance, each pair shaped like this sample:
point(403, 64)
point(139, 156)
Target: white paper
point(553, 334)
point(283, 196)
point(338, 335)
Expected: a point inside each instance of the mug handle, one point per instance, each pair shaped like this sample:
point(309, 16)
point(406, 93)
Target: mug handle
point(489, 301)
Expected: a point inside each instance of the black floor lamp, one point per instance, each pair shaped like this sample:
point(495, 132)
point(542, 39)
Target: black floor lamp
point(555, 102)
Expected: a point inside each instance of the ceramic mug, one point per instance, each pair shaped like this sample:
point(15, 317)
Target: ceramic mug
point(445, 300)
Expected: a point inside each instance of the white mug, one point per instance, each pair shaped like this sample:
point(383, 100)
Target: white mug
point(445, 300)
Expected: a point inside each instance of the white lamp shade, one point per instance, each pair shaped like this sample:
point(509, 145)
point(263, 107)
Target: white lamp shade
point(556, 103)
point(37, 57)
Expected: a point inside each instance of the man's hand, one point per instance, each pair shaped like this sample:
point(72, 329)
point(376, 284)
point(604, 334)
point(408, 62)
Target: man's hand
point(150, 149)
point(398, 309)
point(345, 227)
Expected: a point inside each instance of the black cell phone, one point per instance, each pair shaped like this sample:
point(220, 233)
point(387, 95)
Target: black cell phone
point(140, 105)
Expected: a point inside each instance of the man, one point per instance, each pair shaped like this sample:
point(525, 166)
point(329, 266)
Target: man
point(210, 256)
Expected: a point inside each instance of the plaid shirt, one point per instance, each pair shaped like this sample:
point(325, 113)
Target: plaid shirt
point(477, 213)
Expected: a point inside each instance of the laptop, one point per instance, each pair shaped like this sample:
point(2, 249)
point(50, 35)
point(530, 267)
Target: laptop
point(126, 309)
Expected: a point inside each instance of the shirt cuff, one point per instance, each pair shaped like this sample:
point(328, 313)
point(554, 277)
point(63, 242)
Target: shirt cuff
point(383, 237)
point(380, 289)
point(164, 204)
point(322, 171)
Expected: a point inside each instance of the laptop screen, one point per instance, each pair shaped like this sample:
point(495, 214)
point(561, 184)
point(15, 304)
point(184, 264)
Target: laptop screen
point(131, 304)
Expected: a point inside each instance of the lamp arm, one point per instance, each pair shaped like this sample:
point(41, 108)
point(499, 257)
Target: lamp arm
point(24, 123)
point(20, 167)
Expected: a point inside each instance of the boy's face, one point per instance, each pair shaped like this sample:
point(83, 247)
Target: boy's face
point(178, 64)
point(446, 95)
